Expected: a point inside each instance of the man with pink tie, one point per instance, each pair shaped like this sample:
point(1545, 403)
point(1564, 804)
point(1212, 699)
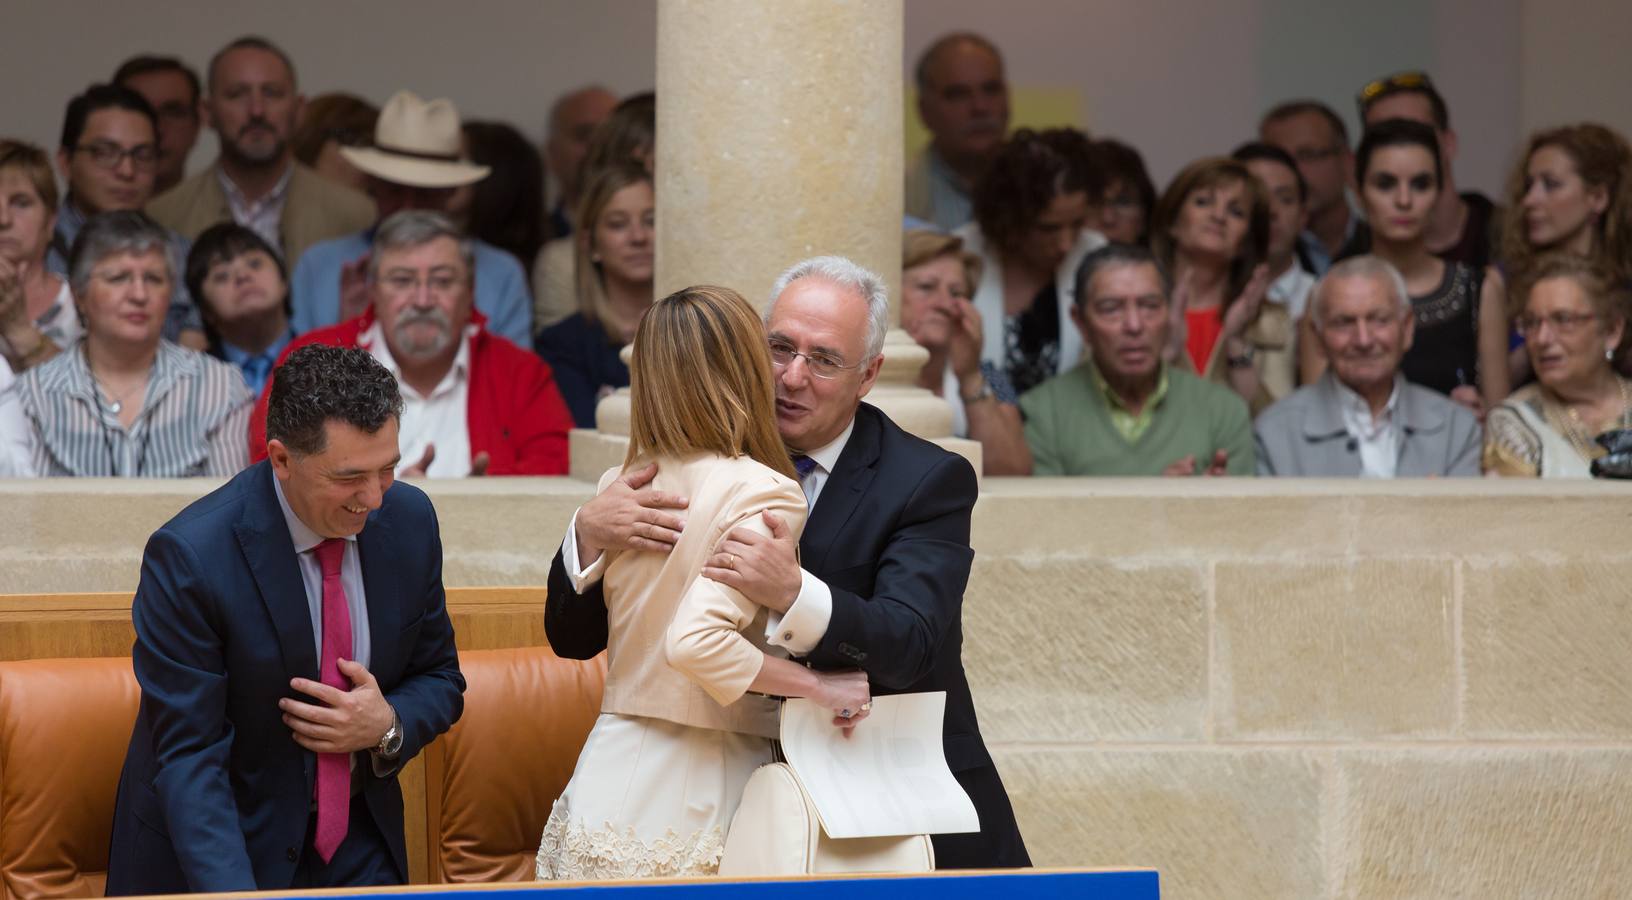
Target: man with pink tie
point(294, 650)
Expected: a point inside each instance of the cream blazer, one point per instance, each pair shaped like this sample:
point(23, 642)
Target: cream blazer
point(681, 647)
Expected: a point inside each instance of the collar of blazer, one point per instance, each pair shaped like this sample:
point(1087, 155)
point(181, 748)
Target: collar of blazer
point(842, 493)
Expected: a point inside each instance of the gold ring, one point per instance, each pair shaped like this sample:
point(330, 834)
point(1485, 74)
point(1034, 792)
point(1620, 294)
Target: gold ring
point(867, 706)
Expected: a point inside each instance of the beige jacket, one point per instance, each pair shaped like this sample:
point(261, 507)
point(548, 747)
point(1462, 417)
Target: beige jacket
point(1273, 338)
point(316, 209)
point(681, 647)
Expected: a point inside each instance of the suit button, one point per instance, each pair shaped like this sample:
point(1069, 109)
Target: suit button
point(860, 657)
point(291, 854)
point(787, 635)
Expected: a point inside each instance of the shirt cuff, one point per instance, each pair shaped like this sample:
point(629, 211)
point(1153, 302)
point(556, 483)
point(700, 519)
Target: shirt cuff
point(581, 578)
point(802, 627)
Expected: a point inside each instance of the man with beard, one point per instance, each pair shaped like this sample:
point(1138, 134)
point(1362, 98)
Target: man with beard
point(253, 105)
point(473, 403)
point(963, 100)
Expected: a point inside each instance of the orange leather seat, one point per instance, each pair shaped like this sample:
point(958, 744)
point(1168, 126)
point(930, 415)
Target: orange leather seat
point(491, 780)
point(64, 724)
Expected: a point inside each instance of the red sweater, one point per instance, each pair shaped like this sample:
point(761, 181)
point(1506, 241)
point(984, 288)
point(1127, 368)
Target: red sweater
point(515, 414)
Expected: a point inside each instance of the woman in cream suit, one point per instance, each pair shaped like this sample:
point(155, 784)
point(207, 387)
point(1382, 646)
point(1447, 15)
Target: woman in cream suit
point(685, 716)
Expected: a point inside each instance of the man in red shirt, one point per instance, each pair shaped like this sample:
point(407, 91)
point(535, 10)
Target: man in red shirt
point(475, 403)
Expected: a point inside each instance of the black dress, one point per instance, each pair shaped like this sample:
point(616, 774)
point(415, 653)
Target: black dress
point(1445, 351)
point(585, 360)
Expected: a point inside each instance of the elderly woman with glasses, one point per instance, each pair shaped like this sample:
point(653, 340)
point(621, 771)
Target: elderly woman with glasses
point(124, 402)
point(1573, 321)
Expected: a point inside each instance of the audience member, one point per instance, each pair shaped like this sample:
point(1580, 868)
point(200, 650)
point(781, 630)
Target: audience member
point(252, 105)
point(16, 434)
point(294, 652)
point(630, 132)
point(963, 100)
point(1315, 136)
point(505, 209)
point(107, 157)
point(1124, 410)
point(1211, 232)
point(37, 317)
point(327, 123)
point(1122, 210)
point(1362, 418)
point(172, 89)
point(1463, 226)
point(935, 309)
point(567, 133)
point(1031, 212)
point(1459, 347)
point(415, 164)
point(1574, 321)
point(614, 272)
point(1289, 282)
point(243, 290)
point(474, 403)
point(124, 401)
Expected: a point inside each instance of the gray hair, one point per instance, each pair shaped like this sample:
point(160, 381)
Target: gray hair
point(842, 273)
point(920, 72)
point(1368, 267)
point(416, 228)
point(109, 233)
point(1112, 255)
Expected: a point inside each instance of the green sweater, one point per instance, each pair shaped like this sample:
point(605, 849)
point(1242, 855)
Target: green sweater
point(1068, 426)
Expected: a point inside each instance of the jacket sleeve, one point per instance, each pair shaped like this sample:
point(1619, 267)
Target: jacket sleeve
point(1234, 435)
point(1036, 412)
point(1465, 446)
point(430, 696)
point(181, 667)
point(537, 421)
point(896, 634)
point(704, 639)
point(576, 623)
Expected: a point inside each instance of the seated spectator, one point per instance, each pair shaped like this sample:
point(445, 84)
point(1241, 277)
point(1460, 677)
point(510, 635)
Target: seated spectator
point(1463, 225)
point(615, 254)
point(172, 89)
point(16, 434)
point(1122, 210)
point(108, 156)
point(1211, 231)
point(571, 125)
point(1030, 232)
point(1460, 343)
point(1289, 283)
point(1362, 418)
point(243, 291)
point(1124, 410)
point(415, 164)
point(630, 132)
point(963, 100)
point(1574, 323)
point(505, 209)
point(37, 317)
point(1314, 135)
point(935, 309)
point(327, 123)
point(124, 401)
point(474, 403)
point(253, 103)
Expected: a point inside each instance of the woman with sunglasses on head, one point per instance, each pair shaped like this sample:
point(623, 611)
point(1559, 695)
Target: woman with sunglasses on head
point(1573, 320)
point(1460, 343)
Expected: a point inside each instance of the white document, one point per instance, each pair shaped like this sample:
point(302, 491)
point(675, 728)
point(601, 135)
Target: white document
point(889, 778)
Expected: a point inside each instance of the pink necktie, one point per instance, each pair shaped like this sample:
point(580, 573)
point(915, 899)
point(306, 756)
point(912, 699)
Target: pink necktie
point(333, 769)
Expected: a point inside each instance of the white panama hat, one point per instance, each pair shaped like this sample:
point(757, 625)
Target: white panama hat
point(417, 143)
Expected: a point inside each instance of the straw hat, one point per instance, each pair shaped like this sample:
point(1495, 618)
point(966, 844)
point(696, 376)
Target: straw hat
point(416, 143)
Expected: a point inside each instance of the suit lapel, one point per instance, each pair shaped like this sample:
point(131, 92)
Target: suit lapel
point(382, 596)
point(843, 491)
point(264, 536)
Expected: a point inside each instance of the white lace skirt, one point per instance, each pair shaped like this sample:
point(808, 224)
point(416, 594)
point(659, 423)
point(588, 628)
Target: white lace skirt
point(648, 799)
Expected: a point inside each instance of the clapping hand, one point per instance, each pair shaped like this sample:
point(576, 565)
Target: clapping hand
point(1244, 311)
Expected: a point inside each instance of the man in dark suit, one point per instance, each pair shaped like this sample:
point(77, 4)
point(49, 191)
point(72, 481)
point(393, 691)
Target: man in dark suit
point(294, 651)
point(885, 552)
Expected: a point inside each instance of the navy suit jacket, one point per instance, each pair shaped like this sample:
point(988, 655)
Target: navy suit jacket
point(215, 794)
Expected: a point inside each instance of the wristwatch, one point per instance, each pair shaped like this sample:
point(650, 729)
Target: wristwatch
point(985, 393)
point(391, 743)
point(1242, 361)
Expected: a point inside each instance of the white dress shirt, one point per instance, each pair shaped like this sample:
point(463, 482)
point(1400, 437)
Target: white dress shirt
point(1291, 290)
point(1378, 436)
point(17, 442)
point(263, 216)
point(441, 418)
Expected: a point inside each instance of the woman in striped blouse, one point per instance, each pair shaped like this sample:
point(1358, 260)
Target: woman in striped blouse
point(123, 402)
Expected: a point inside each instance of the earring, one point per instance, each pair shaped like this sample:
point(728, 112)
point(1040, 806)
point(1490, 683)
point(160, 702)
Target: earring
point(1609, 354)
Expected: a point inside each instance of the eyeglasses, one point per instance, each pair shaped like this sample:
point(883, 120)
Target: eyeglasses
point(822, 365)
point(109, 155)
point(1382, 87)
point(440, 285)
point(1562, 323)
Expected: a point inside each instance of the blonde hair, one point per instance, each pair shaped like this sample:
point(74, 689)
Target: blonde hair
point(600, 187)
point(32, 163)
point(700, 381)
point(920, 246)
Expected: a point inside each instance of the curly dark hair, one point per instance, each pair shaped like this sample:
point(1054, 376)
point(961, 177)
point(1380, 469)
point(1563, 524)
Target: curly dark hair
point(1031, 169)
point(319, 383)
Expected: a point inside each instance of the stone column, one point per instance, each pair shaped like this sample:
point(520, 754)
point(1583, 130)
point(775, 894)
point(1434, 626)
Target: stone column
point(779, 138)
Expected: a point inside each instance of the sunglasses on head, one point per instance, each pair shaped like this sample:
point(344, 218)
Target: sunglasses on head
point(1392, 84)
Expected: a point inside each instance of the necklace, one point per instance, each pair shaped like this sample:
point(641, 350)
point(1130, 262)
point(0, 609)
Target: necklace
point(1580, 434)
point(115, 402)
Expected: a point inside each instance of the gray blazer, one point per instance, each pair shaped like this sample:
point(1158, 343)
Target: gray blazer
point(1304, 435)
